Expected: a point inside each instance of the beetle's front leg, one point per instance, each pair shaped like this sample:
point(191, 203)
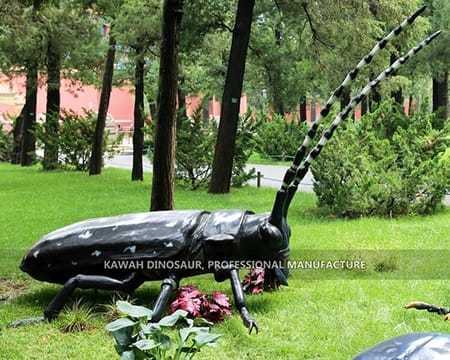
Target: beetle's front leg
point(239, 299)
point(168, 286)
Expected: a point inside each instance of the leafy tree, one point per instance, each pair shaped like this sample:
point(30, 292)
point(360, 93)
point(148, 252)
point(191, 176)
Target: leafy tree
point(109, 10)
point(137, 44)
point(439, 57)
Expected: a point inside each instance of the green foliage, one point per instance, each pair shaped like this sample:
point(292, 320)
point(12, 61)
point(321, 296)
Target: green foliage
point(195, 149)
point(76, 318)
point(278, 139)
point(6, 144)
point(74, 139)
point(174, 337)
point(245, 145)
point(387, 164)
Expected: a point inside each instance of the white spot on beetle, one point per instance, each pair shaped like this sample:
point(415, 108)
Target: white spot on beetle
point(115, 228)
point(96, 253)
point(169, 244)
point(36, 253)
point(131, 249)
point(74, 263)
point(85, 235)
point(58, 244)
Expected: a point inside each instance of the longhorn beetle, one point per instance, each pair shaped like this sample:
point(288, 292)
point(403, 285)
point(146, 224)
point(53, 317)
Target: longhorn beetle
point(75, 256)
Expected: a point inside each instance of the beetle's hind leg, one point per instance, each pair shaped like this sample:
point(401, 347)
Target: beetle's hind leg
point(239, 299)
point(418, 305)
point(168, 286)
point(52, 311)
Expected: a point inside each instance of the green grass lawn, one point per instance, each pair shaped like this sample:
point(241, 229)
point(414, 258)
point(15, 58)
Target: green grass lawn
point(256, 158)
point(310, 319)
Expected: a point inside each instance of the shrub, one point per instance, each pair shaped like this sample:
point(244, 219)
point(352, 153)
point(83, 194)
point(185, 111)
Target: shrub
point(198, 304)
point(173, 337)
point(387, 164)
point(76, 318)
point(278, 139)
point(6, 144)
point(196, 139)
point(74, 139)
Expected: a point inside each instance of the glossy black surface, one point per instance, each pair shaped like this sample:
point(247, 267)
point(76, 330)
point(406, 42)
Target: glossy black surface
point(83, 248)
point(416, 346)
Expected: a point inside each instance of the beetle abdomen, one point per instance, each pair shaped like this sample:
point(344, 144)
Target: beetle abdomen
point(84, 246)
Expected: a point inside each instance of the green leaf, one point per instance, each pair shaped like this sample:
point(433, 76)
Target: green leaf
point(150, 328)
point(204, 338)
point(164, 340)
point(202, 321)
point(122, 331)
point(134, 311)
point(185, 332)
point(127, 355)
point(145, 344)
point(172, 319)
point(120, 324)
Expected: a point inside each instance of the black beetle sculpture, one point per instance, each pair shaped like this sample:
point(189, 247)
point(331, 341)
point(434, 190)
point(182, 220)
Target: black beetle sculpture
point(77, 256)
point(416, 346)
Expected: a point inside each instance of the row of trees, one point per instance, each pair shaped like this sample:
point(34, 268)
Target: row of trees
point(284, 50)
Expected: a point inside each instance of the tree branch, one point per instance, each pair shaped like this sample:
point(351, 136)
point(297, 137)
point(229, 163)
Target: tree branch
point(315, 34)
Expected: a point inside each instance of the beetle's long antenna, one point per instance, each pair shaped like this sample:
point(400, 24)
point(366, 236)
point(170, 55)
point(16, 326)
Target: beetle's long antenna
point(328, 133)
point(301, 152)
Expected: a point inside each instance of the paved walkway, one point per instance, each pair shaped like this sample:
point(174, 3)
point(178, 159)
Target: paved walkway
point(271, 174)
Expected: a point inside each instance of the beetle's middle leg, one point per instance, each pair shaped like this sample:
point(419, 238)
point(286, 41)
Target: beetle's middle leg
point(168, 286)
point(239, 299)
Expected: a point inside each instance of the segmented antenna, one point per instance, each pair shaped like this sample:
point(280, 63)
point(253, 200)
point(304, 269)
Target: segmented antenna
point(328, 133)
point(301, 152)
point(279, 207)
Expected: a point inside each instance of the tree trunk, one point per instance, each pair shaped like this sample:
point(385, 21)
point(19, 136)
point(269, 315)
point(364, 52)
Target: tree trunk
point(181, 93)
point(374, 97)
point(53, 105)
point(164, 154)
point(153, 109)
point(17, 137)
point(364, 106)
point(313, 109)
point(440, 96)
point(277, 76)
point(28, 116)
point(345, 98)
point(28, 141)
point(137, 172)
point(277, 96)
point(303, 108)
point(96, 161)
point(397, 95)
point(205, 108)
point(231, 99)
point(410, 106)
